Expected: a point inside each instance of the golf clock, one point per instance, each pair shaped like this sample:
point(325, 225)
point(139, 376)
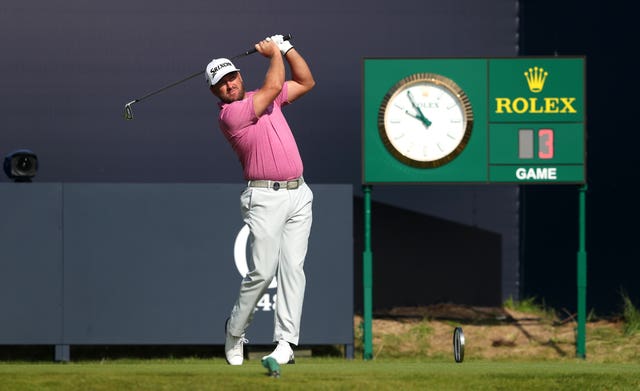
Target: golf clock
point(425, 120)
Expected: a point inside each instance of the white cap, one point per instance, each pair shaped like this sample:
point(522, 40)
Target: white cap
point(217, 69)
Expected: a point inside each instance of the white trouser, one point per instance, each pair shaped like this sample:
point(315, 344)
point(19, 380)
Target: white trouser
point(280, 223)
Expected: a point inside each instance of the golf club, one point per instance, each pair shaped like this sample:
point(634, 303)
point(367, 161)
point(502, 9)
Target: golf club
point(128, 111)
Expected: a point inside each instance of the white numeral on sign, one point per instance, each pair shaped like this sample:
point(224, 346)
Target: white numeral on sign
point(267, 302)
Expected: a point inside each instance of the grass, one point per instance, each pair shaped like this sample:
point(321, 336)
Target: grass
point(319, 374)
point(631, 316)
point(528, 353)
point(531, 306)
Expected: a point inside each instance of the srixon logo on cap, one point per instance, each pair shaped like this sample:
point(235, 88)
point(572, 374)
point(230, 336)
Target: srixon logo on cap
point(217, 68)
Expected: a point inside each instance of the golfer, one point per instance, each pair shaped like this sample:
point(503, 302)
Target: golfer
point(276, 204)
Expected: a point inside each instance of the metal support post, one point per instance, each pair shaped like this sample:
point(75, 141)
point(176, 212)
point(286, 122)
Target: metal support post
point(367, 278)
point(581, 345)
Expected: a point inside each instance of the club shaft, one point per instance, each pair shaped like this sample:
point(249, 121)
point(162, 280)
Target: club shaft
point(248, 52)
point(167, 87)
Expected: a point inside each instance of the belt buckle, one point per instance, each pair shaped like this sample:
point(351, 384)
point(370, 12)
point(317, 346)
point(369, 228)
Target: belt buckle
point(276, 186)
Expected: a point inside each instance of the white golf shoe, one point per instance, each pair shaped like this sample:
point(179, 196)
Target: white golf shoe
point(233, 347)
point(283, 353)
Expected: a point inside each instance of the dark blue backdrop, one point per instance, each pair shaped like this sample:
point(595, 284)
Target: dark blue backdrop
point(605, 34)
point(68, 67)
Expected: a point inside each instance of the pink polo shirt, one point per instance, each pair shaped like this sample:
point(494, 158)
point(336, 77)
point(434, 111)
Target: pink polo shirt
point(265, 146)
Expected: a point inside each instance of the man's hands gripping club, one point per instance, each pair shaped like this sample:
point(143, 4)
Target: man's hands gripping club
point(283, 45)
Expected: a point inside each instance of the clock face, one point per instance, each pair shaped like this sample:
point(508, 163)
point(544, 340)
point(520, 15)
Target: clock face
point(425, 120)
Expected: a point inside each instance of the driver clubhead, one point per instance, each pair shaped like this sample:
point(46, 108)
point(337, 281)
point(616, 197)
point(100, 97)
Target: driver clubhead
point(128, 112)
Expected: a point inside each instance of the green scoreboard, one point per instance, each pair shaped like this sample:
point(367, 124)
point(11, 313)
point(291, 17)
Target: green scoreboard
point(474, 120)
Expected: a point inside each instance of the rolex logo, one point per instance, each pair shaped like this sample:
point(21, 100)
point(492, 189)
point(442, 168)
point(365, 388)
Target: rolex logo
point(535, 78)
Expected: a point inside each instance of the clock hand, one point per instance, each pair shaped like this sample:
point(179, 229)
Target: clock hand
point(420, 115)
point(407, 112)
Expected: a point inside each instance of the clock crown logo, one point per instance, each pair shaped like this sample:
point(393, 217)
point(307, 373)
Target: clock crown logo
point(535, 79)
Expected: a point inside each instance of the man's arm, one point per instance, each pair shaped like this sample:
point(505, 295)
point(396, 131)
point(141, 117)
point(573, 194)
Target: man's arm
point(274, 79)
point(301, 78)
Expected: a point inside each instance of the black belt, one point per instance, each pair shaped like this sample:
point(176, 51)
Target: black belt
point(277, 185)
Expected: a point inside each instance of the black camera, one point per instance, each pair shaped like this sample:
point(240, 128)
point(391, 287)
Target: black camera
point(21, 165)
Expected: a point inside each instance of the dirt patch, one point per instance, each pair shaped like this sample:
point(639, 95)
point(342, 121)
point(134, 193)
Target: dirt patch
point(448, 312)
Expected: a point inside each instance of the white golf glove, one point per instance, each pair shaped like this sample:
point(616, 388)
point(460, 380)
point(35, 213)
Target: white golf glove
point(283, 45)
